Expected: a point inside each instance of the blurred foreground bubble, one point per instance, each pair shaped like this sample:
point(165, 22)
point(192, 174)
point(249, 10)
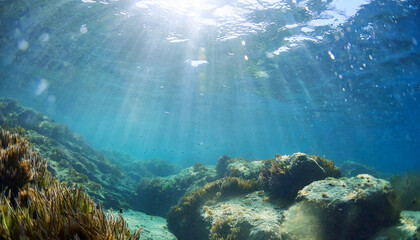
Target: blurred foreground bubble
point(83, 29)
point(41, 86)
point(44, 37)
point(23, 45)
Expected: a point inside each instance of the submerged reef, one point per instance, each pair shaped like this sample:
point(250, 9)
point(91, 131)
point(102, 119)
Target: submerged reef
point(299, 196)
point(293, 197)
point(34, 205)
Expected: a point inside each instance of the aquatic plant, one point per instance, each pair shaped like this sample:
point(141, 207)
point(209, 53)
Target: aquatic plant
point(330, 169)
point(59, 213)
point(34, 205)
point(181, 218)
point(19, 164)
point(223, 230)
point(407, 189)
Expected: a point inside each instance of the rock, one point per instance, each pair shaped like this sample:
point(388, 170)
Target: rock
point(407, 229)
point(192, 217)
point(69, 157)
point(247, 217)
point(284, 176)
point(156, 195)
point(361, 205)
point(352, 169)
point(239, 167)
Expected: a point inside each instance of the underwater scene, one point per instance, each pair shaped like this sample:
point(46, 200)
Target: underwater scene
point(210, 119)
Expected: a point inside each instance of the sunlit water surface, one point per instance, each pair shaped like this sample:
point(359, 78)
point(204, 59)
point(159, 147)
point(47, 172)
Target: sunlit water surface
point(189, 81)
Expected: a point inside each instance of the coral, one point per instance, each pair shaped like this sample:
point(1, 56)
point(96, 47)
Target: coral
point(33, 205)
point(181, 218)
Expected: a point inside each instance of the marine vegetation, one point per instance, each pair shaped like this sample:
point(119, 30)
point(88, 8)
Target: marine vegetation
point(19, 164)
point(34, 205)
point(70, 158)
point(407, 189)
point(223, 230)
point(182, 217)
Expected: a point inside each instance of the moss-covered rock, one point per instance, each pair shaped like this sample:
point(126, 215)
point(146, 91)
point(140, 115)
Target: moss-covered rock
point(184, 219)
point(251, 216)
point(284, 176)
point(239, 167)
point(156, 195)
point(351, 208)
point(69, 157)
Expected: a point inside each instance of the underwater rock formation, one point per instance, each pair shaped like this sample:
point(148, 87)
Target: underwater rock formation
point(70, 158)
point(156, 195)
point(34, 205)
point(184, 219)
point(284, 176)
point(407, 229)
point(137, 169)
point(249, 216)
point(238, 167)
point(352, 208)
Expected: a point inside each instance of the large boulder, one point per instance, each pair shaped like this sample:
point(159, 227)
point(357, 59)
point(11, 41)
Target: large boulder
point(351, 208)
point(284, 176)
point(249, 217)
point(197, 215)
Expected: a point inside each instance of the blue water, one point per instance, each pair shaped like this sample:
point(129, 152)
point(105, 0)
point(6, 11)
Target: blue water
point(189, 81)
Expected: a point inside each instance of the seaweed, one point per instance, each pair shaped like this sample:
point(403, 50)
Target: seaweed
point(19, 164)
point(34, 205)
